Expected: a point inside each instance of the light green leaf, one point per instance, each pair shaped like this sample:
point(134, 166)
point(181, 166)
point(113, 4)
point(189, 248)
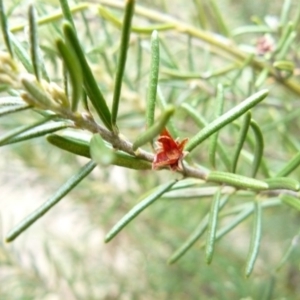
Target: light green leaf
point(226, 118)
point(290, 201)
point(255, 239)
point(137, 209)
point(103, 154)
point(283, 183)
point(259, 147)
point(90, 83)
point(155, 129)
point(153, 80)
point(240, 140)
point(212, 227)
point(70, 144)
point(238, 181)
point(195, 235)
point(62, 191)
point(125, 36)
point(38, 131)
point(74, 69)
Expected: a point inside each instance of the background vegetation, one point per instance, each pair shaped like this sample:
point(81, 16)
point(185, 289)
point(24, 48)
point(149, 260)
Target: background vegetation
point(203, 45)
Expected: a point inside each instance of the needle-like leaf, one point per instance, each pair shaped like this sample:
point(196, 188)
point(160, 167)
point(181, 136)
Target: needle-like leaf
point(125, 36)
point(4, 139)
point(75, 72)
point(290, 166)
point(255, 239)
point(70, 144)
point(214, 138)
point(237, 180)
point(5, 30)
point(212, 227)
point(195, 235)
point(38, 132)
point(240, 140)
point(153, 80)
point(62, 191)
point(259, 147)
point(155, 129)
point(34, 44)
point(90, 83)
point(137, 209)
point(104, 155)
point(226, 118)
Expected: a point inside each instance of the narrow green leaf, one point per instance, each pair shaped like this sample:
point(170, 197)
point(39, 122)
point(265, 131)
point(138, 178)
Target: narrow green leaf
point(139, 62)
point(5, 30)
point(294, 243)
point(212, 227)
point(40, 97)
point(284, 65)
point(240, 140)
point(284, 17)
point(201, 15)
point(226, 118)
point(252, 29)
point(255, 239)
point(62, 191)
point(52, 17)
point(74, 69)
point(125, 36)
point(90, 83)
point(21, 54)
point(67, 12)
point(155, 129)
point(290, 166)
point(191, 240)
point(11, 101)
point(214, 138)
point(290, 201)
point(201, 122)
point(262, 77)
point(297, 16)
point(219, 18)
point(153, 80)
point(103, 154)
point(113, 19)
point(196, 234)
point(163, 105)
point(283, 183)
point(236, 180)
point(172, 61)
point(34, 44)
point(4, 139)
point(13, 108)
point(38, 131)
point(70, 144)
point(137, 209)
point(125, 160)
point(179, 74)
point(236, 221)
point(259, 147)
point(288, 30)
point(286, 46)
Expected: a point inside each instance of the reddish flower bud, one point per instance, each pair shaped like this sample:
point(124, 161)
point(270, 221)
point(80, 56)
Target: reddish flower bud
point(169, 151)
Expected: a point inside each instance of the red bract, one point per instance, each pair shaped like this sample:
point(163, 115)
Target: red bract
point(169, 151)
